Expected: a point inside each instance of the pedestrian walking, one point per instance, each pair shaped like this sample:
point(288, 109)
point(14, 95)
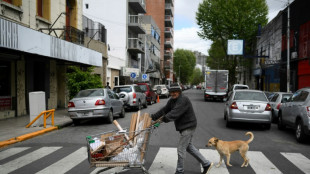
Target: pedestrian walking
point(108, 86)
point(180, 110)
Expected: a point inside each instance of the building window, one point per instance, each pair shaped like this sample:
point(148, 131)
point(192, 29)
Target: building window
point(43, 9)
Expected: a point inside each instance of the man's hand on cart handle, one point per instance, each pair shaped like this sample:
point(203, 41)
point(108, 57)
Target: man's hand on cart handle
point(157, 122)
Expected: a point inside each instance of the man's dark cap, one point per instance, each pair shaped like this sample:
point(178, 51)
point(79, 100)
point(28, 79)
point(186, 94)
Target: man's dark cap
point(175, 87)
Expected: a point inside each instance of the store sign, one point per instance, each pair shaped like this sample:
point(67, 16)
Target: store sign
point(5, 102)
point(129, 71)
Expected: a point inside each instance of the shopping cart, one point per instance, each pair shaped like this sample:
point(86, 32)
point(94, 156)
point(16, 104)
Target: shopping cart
point(119, 148)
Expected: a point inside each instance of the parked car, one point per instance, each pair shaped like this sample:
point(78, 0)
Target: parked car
point(276, 102)
point(95, 103)
point(247, 106)
point(269, 95)
point(239, 87)
point(151, 96)
point(295, 113)
point(132, 96)
point(164, 90)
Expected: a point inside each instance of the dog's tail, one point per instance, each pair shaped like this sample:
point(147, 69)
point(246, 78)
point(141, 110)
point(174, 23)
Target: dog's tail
point(251, 137)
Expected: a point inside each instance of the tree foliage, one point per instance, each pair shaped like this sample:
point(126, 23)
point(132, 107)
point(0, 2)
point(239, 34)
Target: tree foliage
point(197, 77)
point(183, 64)
point(78, 79)
point(220, 20)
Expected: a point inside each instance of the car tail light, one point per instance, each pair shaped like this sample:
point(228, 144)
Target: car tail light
point(234, 105)
point(71, 105)
point(268, 107)
point(100, 102)
point(134, 95)
point(222, 88)
point(308, 110)
point(278, 106)
point(207, 95)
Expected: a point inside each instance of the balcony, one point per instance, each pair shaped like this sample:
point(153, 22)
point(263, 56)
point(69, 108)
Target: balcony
point(168, 21)
point(137, 5)
point(135, 45)
point(73, 35)
point(168, 32)
point(168, 43)
point(168, 54)
point(170, 2)
point(135, 24)
point(169, 9)
point(168, 65)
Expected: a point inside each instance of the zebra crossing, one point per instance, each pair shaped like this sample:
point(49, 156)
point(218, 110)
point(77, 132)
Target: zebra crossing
point(163, 163)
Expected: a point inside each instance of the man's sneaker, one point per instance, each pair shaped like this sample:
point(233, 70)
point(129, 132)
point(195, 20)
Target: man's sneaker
point(207, 169)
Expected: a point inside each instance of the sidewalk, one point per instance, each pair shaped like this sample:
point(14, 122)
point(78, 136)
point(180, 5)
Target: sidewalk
point(13, 130)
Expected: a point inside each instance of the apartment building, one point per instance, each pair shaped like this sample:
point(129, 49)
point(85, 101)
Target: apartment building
point(163, 11)
point(38, 40)
point(150, 61)
point(125, 36)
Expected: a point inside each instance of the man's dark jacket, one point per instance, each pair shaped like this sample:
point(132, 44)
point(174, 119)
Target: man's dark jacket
point(179, 110)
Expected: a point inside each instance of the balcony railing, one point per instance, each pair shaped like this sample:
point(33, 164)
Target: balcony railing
point(168, 20)
point(169, 9)
point(168, 42)
point(168, 54)
point(168, 65)
point(135, 45)
point(135, 23)
point(137, 5)
point(168, 31)
point(73, 35)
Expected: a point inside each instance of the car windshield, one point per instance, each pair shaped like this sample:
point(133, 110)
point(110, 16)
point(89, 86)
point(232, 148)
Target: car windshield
point(90, 93)
point(241, 87)
point(143, 88)
point(250, 96)
point(122, 89)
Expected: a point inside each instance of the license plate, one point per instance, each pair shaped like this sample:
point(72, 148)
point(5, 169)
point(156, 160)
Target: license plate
point(84, 114)
point(252, 107)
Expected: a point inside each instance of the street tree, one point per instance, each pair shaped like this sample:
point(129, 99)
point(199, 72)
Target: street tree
point(78, 79)
point(197, 77)
point(221, 20)
point(183, 64)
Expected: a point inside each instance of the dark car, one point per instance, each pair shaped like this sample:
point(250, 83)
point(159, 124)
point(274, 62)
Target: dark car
point(151, 96)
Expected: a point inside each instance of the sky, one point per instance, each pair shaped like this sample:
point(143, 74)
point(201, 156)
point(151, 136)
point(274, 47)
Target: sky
point(185, 27)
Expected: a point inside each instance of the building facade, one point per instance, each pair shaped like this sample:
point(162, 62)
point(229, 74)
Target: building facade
point(38, 40)
point(162, 12)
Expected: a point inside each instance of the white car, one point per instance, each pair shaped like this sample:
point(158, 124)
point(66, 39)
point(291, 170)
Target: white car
point(164, 91)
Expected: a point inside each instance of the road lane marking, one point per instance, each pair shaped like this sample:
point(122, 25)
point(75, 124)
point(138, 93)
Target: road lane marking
point(300, 161)
point(165, 161)
point(27, 159)
point(67, 163)
point(260, 163)
point(11, 152)
point(213, 156)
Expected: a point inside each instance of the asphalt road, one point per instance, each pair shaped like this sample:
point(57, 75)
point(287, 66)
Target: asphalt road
point(267, 147)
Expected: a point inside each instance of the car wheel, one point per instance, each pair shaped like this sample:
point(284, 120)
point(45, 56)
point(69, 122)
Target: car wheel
point(122, 114)
point(299, 132)
point(76, 122)
point(228, 123)
point(110, 117)
point(267, 126)
point(281, 126)
point(151, 102)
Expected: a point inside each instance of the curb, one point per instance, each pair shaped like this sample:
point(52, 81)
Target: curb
point(26, 136)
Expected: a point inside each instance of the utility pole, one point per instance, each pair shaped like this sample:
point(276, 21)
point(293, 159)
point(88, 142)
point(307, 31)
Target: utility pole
point(288, 47)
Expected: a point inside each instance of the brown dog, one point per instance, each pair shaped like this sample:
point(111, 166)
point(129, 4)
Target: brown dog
point(228, 147)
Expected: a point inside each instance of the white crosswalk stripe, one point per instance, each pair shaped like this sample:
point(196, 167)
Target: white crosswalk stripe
point(67, 163)
point(27, 159)
point(300, 161)
point(165, 161)
point(213, 156)
point(11, 152)
point(260, 163)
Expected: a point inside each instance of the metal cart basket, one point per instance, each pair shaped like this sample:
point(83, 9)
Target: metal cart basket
point(119, 149)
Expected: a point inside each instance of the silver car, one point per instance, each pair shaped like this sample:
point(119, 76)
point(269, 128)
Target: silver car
point(276, 102)
point(132, 96)
point(95, 103)
point(247, 106)
point(295, 113)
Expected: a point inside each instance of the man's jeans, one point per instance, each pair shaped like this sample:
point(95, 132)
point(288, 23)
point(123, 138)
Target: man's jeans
point(185, 144)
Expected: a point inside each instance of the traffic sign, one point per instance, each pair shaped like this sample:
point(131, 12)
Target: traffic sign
point(235, 47)
point(144, 76)
point(133, 75)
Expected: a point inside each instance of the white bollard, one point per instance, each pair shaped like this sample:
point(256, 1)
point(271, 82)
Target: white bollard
point(36, 106)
